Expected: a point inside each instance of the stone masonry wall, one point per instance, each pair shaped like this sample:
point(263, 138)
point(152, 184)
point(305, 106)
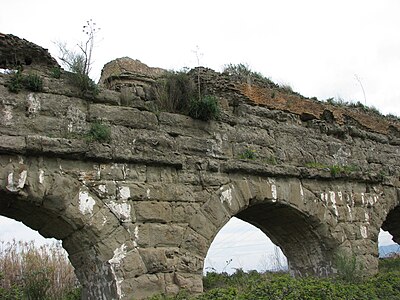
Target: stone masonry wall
point(138, 214)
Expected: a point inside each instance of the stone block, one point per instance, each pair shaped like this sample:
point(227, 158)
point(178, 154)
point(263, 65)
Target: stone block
point(150, 211)
point(215, 212)
point(195, 243)
point(13, 144)
point(160, 235)
point(155, 260)
point(123, 116)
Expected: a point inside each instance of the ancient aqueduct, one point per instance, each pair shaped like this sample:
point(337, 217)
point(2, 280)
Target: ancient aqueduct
point(138, 214)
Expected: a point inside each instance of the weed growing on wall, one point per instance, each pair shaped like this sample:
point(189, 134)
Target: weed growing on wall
point(99, 132)
point(173, 92)
point(334, 169)
point(80, 62)
point(206, 108)
point(248, 154)
point(177, 92)
point(348, 268)
point(31, 82)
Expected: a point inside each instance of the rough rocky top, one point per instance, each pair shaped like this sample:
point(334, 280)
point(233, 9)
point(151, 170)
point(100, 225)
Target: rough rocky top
point(127, 68)
point(20, 52)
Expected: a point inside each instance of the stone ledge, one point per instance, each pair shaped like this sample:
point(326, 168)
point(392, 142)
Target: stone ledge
point(15, 144)
point(124, 116)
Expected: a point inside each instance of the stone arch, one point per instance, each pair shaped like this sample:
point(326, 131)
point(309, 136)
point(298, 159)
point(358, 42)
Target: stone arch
point(59, 205)
point(289, 214)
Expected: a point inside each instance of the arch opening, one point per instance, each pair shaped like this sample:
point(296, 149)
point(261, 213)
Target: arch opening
point(304, 240)
point(389, 236)
point(51, 221)
point(240, 245)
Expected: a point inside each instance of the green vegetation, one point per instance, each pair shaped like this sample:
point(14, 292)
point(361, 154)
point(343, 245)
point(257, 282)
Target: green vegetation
point(271, 160)
point(31, 82)
point(286, 87)
point(248, 154)
point(177, 92)
point(343, 103)
point(243, 73)
point(56, 72)
point(348, 268)
point(99, 132)
point(334, 169)
point(204, 109)
point(174, 91)
point(31, 272)
point(261, 286)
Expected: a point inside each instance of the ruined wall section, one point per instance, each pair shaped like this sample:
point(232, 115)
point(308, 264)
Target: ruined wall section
point(143, 208)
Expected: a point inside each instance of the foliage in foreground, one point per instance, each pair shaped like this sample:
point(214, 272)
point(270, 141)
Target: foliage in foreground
point(31, 272)
point(257, 286)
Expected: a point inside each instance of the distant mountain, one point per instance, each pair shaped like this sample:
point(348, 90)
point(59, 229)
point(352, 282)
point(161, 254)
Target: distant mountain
point(384, 251)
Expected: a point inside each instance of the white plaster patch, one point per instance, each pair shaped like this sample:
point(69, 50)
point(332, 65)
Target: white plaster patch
point(13, 186)
point(324, 198)
point(104, 221)
point(7, 115)
point(41, 176)
point(86, 203)
point(362, 199)
point(301, 192)
point(121, 210)
point(363, 231)
point(216, 144)
point(350, 212)
point(226, 196)
point(366, 216)
point(340, 195)
point(103, 188)
point(115, 261)
point(148, 193)
point(124, 192)
point(274, 191)
point(136, 235)
point(33, 104)
point(332, 197)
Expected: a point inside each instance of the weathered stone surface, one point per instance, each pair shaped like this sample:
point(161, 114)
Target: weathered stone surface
point(20, 52)
point(137, 212)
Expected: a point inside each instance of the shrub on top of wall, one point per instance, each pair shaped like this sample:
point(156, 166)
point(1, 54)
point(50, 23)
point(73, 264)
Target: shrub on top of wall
point(31, 82)
point(176, 92)
point(205, 109)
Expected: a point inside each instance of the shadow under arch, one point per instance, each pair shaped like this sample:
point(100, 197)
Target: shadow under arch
point(302, 238)
point(392, 223)
point(295, 219)
point(97, 279)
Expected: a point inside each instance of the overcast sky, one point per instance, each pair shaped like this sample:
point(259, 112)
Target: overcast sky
point(318, 47)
